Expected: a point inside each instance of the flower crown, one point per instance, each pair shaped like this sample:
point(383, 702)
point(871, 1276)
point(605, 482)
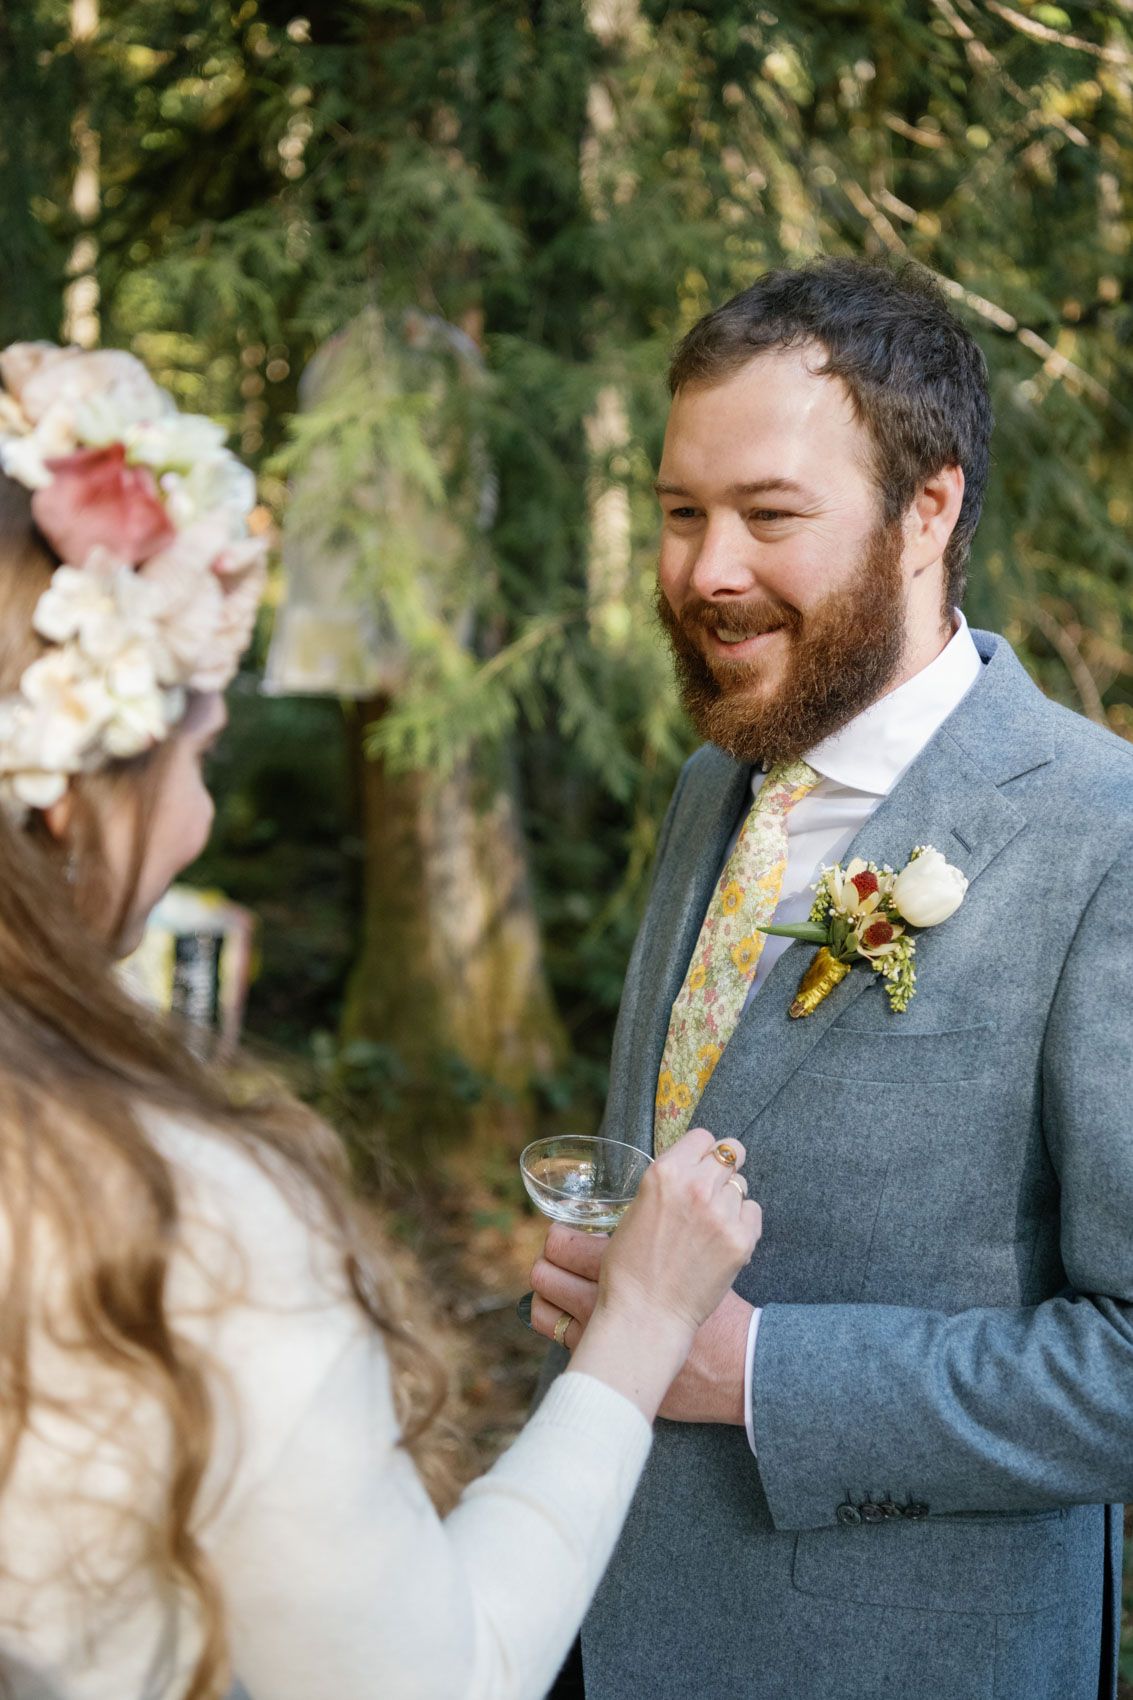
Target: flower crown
point(160, 582)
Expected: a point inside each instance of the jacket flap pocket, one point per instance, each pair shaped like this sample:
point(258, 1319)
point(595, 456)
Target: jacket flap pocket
point(951, 1564)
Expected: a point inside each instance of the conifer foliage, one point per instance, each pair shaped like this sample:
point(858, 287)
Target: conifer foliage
point(572, 184)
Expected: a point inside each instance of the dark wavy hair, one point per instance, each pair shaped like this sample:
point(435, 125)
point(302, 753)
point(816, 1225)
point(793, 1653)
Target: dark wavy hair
point(917, 377)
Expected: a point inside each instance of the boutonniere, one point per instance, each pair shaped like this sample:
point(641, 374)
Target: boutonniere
point(862, 913)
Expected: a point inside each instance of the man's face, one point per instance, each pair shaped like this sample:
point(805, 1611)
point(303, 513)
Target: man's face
point(781, 590)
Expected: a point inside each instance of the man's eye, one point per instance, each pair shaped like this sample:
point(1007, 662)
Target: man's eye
point(767, 516)
point(682, 513)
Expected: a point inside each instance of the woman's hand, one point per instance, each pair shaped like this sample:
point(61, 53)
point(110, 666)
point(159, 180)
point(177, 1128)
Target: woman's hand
point(642, 1295)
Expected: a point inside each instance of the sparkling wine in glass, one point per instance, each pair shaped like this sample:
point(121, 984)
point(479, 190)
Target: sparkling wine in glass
point(582, 1180)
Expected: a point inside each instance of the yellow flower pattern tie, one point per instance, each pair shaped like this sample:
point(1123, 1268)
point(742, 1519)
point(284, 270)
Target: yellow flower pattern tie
point(723, 964)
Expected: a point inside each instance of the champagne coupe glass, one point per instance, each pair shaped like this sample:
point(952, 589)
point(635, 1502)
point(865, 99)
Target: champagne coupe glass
point(582, 1180)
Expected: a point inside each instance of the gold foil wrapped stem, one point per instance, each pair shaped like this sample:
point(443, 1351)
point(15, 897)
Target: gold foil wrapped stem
point(821, 977)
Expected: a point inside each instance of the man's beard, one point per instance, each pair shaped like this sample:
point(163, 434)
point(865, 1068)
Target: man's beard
point(843, 656)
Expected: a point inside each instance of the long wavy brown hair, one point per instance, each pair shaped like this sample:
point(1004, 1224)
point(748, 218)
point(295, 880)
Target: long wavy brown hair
point(80, 1060)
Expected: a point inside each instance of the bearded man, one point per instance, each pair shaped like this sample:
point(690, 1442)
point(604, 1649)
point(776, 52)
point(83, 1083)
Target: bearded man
point(892, 1463)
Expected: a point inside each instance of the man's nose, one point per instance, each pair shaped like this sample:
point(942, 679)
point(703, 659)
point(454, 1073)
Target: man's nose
point(721, 568)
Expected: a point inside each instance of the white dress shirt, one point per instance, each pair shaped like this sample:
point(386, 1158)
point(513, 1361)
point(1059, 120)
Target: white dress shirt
point(858, 766)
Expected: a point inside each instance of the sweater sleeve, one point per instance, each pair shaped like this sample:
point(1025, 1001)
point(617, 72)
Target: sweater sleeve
point(338, 1576)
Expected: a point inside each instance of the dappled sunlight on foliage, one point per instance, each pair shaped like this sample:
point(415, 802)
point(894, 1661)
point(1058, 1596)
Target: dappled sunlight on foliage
point(574, 196)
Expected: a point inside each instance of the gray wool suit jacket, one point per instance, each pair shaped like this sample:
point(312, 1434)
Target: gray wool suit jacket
point(943, 1380)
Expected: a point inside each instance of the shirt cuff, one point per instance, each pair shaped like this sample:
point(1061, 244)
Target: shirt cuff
point(749, 1367)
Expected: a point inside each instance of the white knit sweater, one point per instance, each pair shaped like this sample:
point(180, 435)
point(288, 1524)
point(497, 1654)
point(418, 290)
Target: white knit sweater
point(339, 1578)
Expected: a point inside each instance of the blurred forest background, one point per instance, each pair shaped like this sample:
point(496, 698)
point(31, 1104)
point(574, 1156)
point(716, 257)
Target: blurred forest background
point(504, 214)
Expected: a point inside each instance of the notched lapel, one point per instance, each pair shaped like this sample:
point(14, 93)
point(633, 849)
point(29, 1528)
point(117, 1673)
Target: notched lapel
point(710, 809)
point(944, 799)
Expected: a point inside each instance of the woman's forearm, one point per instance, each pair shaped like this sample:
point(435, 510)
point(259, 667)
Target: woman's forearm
point(638, 1356)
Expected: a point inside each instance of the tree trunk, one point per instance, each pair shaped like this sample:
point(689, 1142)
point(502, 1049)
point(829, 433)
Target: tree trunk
point(80, 311)
point(449, 970)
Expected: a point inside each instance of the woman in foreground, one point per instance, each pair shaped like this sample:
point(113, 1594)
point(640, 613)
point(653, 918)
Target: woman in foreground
point(211, 1399)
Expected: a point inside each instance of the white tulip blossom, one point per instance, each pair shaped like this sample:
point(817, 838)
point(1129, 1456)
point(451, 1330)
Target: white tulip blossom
point(928, 889)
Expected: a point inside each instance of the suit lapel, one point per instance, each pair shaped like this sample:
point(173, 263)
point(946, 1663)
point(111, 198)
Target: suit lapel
point(689, 873)
point(947, 798)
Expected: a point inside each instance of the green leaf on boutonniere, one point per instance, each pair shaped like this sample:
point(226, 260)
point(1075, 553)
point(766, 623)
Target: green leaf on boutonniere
point(809, 931)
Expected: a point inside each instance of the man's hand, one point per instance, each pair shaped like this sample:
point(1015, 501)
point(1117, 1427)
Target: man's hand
point(710, 1387)
point(565, 1279)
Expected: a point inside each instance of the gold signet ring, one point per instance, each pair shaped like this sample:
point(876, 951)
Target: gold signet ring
point(725, 1154)
point(561, 1327)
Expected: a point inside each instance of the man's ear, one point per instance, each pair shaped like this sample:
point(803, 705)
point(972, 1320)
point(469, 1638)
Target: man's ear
point(60, 816)
point(931, 519)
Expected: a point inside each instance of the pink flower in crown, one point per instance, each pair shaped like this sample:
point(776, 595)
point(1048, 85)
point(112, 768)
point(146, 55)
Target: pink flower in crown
point(96, 500)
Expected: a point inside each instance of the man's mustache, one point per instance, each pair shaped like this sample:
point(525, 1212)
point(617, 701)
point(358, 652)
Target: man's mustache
point(746, 619)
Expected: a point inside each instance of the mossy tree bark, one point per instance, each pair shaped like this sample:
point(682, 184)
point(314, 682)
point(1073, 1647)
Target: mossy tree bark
point(449, 971)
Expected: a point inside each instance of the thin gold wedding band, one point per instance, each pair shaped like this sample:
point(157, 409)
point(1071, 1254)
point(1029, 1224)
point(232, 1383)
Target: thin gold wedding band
point(561, 1327)
point(737, 1182)
point(725, 1154)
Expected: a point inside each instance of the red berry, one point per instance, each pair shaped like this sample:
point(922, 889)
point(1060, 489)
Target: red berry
point(865, 884)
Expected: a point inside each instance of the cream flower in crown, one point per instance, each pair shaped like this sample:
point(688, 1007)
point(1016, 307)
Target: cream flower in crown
point(160, 578)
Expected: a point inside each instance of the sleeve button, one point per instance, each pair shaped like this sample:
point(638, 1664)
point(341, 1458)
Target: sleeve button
point(889, 1509)
point(916, 1511)
point(848, 1515)
point(872, 1514)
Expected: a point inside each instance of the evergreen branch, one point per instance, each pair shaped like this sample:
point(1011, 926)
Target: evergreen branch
point(1073, 660)
point(911, 133)
point(983, 59)
point(1057, 364)
point(441, 719)
point(520, 648)
point(1059, 38)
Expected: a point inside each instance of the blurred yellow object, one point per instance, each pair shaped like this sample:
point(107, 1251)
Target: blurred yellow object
point(195, 960)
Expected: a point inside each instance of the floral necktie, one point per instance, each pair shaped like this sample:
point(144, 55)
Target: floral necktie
point(723, 964)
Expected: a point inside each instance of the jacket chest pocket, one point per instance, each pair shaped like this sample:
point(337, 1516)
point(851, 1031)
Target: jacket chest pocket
point(902, 1057)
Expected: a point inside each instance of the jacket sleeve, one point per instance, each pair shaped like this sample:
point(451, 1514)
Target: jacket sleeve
point(992, 1409)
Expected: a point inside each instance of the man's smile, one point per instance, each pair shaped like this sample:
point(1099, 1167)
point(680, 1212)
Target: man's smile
point(739, 646)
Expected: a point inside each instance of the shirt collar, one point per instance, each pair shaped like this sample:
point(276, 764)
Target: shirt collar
point(873, 750)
